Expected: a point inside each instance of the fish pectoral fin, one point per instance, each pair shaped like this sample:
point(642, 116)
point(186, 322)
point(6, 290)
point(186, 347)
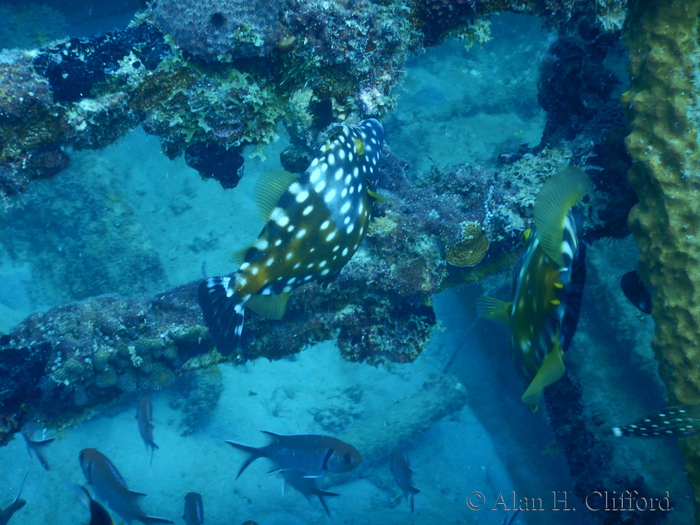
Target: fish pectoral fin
point(551, 370)
point(137, 493)
point(269, 306)
point(493, 309)
point(376, 196)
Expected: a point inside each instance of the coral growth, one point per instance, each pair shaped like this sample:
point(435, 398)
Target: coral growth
point(470, 249)
point(196, 398)
point(222, 30)
point(662, 109)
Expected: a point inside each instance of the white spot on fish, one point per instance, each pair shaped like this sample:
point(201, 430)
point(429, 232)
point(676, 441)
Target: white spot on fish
point(320, 186)
point(270, 261)
point(329, 196)
point(279, 217)
point(307, 210)
point(350, 228)
point(345, 207)
point(302, 196)
point(260, 244)
point(325, 272)
point(339, 174)
point(289, 255)
point(331, 236)
point(331, 159)
point(294, 188)
point(325, 224)
point(301, 233)
point(255, 270)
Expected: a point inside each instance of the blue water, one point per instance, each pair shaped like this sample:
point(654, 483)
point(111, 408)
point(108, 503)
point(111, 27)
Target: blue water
point(457, 106)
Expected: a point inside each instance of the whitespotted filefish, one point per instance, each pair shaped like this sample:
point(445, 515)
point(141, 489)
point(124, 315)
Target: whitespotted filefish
point(314, 224)
point(403, 475)
point(110, 487)
point(314, 454)
point(676, 421)
point(548, 285)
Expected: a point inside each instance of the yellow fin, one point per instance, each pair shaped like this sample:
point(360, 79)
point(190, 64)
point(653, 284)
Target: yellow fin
point(268, 190)
point(376, 196)
point(554, 200)
point(551, 370)
point(238, 257)
point(493, 309)
point(269, 306)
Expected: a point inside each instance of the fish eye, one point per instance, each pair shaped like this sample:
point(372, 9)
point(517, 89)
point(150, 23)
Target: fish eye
point(347, 458)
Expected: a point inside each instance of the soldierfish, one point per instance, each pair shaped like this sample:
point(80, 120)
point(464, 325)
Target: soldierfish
point(308, 486)
point(194, 509)
point(401, 469)
point(311, 453)
point(110, 487)
point(6, 513)
point(35, 446)
point(314, 223)
point(676, 421)
point(548, 283)
point(144, 417)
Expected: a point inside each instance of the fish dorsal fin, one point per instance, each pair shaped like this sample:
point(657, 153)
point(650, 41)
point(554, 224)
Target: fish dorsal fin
point(269, 188)
point(269, 306)
point(493, 309)
point(551, 371)
point(554, 200)
point(238, 257)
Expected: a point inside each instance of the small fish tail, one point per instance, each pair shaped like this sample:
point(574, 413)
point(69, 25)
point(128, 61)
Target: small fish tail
point(254, 452)
point(223, 312)
point(154, 519)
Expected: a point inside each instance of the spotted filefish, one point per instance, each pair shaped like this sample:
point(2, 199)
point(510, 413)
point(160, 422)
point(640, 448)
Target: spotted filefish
point(314, 224)
point(314, 454)
point(110, 487)
point(548, 285)
point(677, 421)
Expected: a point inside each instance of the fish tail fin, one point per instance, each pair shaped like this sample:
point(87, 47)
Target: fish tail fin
point(493, 309)
point(413, 508)
point(320, 495)
point(154, 519)
point(254, 452)
point(552, 370)
point(223, 312)
point(552, 204)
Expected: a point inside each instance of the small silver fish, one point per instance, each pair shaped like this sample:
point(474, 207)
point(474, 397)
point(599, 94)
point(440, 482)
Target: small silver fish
point(314, 454)
point(8, 512)
point(676, 421)
point(401, 469)
point(35, 446)
point(144, 417)
point(314, 224)
point(308, 486)
point(194, 509)
point(110, 487)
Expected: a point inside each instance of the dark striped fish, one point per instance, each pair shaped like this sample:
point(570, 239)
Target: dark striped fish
point(676, 421)
point(144, 417)
point(548, 285)
point(403, 475)
point(194, 509)
point(313, 454)
point(110, 487)
point(314, 224)
point(18, 503)
point(308, 486)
